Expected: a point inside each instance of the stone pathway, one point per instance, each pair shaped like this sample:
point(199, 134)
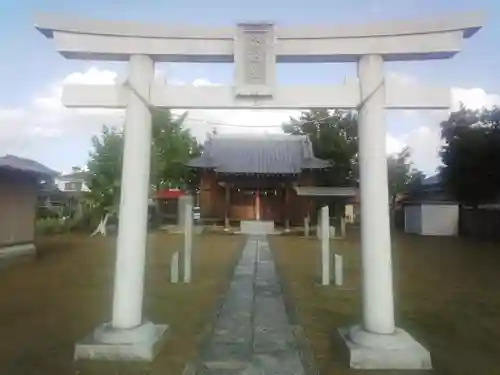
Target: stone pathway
point(252, 335)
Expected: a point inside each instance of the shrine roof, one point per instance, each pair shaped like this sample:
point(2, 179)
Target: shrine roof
point(264, 154)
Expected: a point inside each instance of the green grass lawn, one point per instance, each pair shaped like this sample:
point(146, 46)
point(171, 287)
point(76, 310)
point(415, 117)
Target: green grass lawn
point(48, 304)
point(446, 290)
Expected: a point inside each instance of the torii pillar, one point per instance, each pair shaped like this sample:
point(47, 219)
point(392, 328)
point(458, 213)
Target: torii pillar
point(377, 343)
point(128, 336)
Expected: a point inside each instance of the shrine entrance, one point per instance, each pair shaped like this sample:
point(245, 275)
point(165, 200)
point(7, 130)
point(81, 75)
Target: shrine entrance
point(255, 49)
point(270, 205)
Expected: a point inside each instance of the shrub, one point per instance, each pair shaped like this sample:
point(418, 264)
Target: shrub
point(46, 212)
point(49, 226)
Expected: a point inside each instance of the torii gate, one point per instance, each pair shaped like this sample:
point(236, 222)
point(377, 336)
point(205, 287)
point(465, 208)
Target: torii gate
point(255, 49)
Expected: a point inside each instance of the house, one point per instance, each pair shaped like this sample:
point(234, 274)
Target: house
point(430, 211)
point(72, 182)
point(266, 178)
point(19, 183)
point(62, 193)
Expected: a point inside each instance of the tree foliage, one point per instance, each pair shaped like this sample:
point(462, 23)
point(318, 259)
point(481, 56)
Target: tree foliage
point(334, 137)
point(104, 165)
point(471, 155)
point(401, 173)
point(171, 148)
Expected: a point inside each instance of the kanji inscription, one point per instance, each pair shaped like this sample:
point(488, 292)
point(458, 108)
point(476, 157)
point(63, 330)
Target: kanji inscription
point(255, 64)
point(254, 60)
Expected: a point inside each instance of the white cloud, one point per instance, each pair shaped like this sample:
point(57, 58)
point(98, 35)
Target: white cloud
point(93, 76)
point(393, 145)
point(22, 130)
point(475, 98)
point(425, 140)
point(424, 143)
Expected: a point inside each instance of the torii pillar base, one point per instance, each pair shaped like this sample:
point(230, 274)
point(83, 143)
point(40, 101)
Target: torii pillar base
point(398, 351)
point(106, 343)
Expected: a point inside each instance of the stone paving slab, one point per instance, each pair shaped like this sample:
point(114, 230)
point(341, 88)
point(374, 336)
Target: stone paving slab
point(252, 335)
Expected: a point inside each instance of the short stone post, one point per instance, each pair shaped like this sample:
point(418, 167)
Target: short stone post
point(325, 246)
point(332, 231)
point(227, 224)
point(306, 226)
point(339, 277)
point(181, 210)
point(318, 225)
point(188, 242)
point(342, 226)
point(174, 268)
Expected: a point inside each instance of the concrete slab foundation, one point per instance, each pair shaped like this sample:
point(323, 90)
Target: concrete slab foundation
point(257, 227)
point(139, 344)
point(12, 254)
point(398, 351)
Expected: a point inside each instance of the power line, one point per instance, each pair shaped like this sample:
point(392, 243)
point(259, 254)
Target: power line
point(216, 123)
point(225, 124)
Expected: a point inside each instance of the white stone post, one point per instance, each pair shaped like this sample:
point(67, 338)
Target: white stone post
point(306, 226)
point(339, 277)
point(174, 268)
point(332, 231)
point(325, 246)
point(188, 242)
point(318, 225)
point(257, 205)
point(342, 226)
point(227, 223)
point(181, 210)
point(132, 231)
point(378, 303)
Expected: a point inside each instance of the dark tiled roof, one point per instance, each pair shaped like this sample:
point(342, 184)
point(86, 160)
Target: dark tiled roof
point(269, 154)
point(25, 165)
point(432, 180)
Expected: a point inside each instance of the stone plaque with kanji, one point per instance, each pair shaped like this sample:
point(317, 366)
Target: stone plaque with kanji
point(254, 59)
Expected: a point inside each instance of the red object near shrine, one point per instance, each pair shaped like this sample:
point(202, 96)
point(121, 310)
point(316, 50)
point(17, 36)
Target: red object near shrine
point(169, 194)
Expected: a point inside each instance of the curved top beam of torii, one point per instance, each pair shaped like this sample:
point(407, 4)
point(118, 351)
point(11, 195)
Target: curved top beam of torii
point(78, 38)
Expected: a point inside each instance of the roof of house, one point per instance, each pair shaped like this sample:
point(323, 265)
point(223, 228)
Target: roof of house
point(431, 180)
point(430, 191)
point(15, 163)
point(80, 175)
point(269, 154)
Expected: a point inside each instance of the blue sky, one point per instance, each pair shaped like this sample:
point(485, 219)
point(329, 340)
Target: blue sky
point(30, 68)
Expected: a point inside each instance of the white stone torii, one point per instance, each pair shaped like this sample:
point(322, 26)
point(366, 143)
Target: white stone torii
point(255, 49)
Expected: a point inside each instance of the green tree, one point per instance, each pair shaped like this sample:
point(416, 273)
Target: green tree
point(172, 147)
point(471, 155)
point(105, 165)
point(334, 137)
point(401, 174)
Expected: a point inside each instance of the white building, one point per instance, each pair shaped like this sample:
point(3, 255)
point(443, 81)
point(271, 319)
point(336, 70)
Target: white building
point(431, 212)
point(72, 182)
